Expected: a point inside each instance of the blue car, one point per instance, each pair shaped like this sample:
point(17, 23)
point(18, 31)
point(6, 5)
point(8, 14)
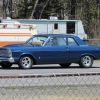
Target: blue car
point(59, 49)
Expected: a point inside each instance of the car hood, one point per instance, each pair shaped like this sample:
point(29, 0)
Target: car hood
point(13, 45)
point(20, 45)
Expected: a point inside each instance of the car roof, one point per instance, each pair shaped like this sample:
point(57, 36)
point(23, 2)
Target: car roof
point(79, 41)
point(54, 35)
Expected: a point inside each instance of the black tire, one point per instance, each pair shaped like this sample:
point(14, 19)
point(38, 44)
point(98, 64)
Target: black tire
point(65, 65)
point(6, 65)
point(86, 61)
point(25, 62)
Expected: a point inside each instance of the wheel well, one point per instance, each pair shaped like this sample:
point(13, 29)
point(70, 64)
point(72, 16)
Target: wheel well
point(89, 55)
point(30, 56)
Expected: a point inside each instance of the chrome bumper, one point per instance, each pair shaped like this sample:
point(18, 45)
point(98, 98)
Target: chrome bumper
point(7, 59)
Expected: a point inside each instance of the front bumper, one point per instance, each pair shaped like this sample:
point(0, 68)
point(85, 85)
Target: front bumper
point(7, 59)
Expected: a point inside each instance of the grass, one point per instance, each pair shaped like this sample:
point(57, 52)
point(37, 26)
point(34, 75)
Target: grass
point(97, 60)
point(73, 93)
point(59, 98)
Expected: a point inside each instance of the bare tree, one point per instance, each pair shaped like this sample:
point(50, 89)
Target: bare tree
point(43, 9)
point(33, 9)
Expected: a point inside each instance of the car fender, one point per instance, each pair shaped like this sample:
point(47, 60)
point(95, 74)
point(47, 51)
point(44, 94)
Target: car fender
point(88, 54)
point(27, 53)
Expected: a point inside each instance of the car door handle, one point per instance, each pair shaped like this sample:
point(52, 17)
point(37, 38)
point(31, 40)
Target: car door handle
point(67, 47)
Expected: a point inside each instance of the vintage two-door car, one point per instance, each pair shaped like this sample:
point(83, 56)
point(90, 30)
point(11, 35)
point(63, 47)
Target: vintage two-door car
point(59, 49)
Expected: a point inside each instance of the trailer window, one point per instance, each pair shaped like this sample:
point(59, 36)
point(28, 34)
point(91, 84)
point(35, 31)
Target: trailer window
point(70, 27)
point(55, 25)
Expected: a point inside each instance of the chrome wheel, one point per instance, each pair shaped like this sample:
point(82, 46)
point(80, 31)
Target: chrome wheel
point(25, 62)
point(86, 61)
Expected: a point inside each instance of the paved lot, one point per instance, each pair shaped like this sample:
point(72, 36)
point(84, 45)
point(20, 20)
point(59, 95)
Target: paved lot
point(41, 69)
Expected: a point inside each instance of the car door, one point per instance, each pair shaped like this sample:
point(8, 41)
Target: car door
point(58, 53)
point(76, 50)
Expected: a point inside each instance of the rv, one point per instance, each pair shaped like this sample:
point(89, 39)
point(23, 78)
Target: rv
point(15, 32)
point(49, 26)
point(55, 26)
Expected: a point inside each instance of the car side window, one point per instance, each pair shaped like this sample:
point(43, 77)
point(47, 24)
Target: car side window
point(62, 41)
point(72, 42)
point(56, 41)
point(37, 41)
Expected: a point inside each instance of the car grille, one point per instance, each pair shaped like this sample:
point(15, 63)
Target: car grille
point(3, 52)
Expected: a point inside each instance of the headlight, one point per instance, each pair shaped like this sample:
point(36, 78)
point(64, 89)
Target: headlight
point(9, 53)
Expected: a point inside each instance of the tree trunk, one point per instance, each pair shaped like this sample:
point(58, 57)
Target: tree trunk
point(43, 9)
point(33, 9)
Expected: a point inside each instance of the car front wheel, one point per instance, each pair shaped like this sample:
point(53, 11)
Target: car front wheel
point(25, 62)
point(86, 61)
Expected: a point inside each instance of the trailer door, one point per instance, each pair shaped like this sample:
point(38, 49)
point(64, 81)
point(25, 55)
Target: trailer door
point(55, 27)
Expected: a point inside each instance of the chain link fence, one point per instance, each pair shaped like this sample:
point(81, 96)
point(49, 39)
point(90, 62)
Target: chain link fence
point(58, 86)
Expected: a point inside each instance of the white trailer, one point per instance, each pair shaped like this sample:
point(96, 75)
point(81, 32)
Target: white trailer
point(15, 32)
point(55, 26)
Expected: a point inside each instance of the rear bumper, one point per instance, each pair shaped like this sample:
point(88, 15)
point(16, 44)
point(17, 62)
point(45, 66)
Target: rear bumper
point(7, 59)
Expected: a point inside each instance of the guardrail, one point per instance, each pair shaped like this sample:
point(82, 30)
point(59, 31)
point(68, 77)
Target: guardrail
point(50, 86)
point(93, 41)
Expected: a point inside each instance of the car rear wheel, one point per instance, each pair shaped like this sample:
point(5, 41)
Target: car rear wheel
point(5, 65)
point(25, 62)
point(86, 61)
point(65, 65)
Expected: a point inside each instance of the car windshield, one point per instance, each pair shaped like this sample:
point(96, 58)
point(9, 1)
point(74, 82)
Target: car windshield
point(36, 40)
